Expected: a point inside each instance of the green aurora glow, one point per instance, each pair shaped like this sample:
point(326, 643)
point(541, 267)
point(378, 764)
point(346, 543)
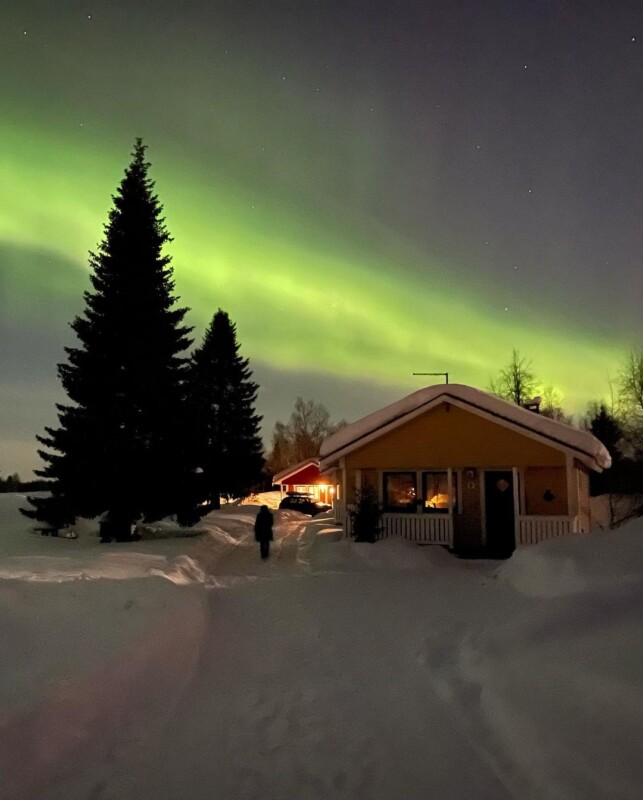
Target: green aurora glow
point(297, 292)
point(340, 252)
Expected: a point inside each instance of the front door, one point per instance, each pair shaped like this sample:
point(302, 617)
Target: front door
point(499, 513)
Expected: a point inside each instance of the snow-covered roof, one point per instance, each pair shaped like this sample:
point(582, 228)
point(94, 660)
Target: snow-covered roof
point(586, 447)
point(280, 477)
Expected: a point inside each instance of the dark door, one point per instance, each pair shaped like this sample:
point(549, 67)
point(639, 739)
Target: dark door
point(499, 513)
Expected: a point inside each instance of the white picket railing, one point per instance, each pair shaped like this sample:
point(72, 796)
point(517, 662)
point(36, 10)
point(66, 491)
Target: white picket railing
point(429, 528)
point(534, 529)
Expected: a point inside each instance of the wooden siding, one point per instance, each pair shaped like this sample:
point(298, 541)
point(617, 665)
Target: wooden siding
point(449, 436)
point(306, 475)
point(540, 480)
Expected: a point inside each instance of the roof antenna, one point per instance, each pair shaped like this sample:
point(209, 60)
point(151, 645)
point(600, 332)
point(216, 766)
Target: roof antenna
point(446, 374)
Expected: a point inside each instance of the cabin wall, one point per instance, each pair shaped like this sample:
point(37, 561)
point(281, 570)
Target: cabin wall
point(448, 436)
point(307, 475)
point(545, 491)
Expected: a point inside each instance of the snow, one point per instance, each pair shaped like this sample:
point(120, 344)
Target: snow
point(189, 668)
point(270, 499)
point(590, 450)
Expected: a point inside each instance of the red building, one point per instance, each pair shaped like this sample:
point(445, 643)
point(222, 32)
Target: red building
point(305, 477)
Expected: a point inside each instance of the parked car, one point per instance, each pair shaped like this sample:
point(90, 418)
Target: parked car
point(306, 503)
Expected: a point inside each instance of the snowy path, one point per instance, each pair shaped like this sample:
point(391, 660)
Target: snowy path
point(243, 559)
point(288, 703)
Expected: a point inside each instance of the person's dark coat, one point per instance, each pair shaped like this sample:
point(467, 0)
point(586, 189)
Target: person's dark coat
point(263, 525)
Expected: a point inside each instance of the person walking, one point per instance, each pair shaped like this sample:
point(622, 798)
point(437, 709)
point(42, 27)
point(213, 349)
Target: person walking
point(263, 531)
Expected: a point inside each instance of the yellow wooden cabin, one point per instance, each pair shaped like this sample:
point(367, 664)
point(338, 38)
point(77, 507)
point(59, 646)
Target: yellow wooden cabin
point(456, 466)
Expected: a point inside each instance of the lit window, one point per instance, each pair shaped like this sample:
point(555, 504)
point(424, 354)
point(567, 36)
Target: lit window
point(436, 492)
point(400, 491)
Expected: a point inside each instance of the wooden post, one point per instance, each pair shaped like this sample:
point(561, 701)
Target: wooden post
point(514, 471)
point(572, 493)
point(450, 496)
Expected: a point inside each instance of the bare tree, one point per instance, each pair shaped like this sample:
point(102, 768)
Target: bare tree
point(630, 382)
point(630, 397)
point(551, 407)
point(516, 382)
point(302, 436)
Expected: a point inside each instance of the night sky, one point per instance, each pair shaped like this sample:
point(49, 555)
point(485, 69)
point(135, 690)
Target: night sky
point(370, 189)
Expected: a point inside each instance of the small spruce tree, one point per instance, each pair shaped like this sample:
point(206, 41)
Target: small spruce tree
point(119, 445)
point(366, 515)
point(225, 428)
point(608, 431)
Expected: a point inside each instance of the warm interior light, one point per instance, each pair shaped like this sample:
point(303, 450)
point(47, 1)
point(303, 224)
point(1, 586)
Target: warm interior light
point(439, 500)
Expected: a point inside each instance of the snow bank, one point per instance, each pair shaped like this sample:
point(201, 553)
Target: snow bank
point(25, 555)
point(270, 499)
point(182, 555)
point(567, 565)
point(558, 683)
point(323, 547)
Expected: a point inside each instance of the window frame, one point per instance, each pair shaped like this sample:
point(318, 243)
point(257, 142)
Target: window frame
point(410, 508)
point(454, 487)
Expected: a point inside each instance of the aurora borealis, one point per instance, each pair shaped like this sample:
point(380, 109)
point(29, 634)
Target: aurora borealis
point(369, 189)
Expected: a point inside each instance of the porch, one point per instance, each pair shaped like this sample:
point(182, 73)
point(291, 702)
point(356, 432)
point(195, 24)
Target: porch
point(438, 529)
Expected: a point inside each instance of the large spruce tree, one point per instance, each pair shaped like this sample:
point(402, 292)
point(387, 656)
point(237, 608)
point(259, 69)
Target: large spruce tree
point(119, 446)
point(227, 444)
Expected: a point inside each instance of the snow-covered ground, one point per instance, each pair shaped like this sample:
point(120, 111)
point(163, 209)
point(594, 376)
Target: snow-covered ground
point(190, 669)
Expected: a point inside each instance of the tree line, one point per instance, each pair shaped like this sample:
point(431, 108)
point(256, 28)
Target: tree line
point(617, 424)
point(13, 483)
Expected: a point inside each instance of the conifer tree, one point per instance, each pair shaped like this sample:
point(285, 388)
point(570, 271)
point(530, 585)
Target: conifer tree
point(228, 449)
point(605, 428)
point(119, 446)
